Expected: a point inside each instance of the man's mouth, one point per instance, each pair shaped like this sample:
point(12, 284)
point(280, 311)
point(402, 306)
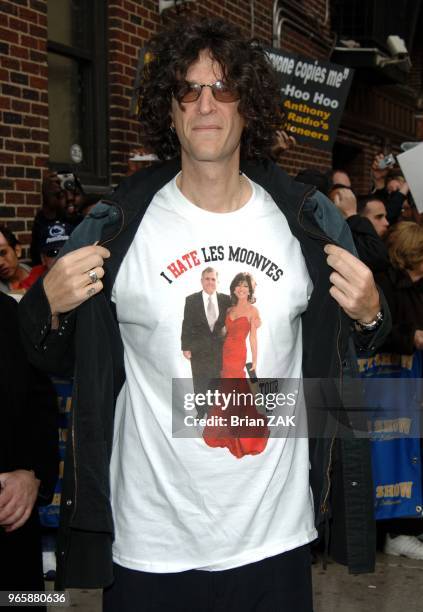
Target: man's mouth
point(206, 127)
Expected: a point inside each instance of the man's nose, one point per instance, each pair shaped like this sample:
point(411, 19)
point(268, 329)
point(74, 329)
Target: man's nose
point(206, 102)
point(70, 196)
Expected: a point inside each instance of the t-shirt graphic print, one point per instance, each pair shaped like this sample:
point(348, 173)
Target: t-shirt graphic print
point(206, 302)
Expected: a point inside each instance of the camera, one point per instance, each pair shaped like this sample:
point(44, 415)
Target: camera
point(387, 162)
point(67, 181)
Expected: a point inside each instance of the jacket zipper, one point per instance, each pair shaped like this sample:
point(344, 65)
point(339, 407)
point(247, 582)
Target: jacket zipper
point(74, 448)
point(324, 505)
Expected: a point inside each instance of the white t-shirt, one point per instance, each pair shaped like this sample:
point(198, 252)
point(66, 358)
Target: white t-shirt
point(179, 504)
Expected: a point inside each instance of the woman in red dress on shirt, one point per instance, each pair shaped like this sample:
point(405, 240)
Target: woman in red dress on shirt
point(242, 321)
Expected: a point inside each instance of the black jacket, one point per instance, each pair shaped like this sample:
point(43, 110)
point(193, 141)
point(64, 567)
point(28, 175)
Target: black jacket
point(405, 299)
point(29, 412)
point(370, 247)
point(88, 342)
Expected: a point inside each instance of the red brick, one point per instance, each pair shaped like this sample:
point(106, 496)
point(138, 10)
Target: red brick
point(24, 160)
point(5, 103)
point(30, 67)
point(38, 82)
point(21, 133)
point(31, 121)
point(19, 51)
point(9, 62)
point(18, 24)
point(20, 105)
point(41, 162)
point(6, 158)
point(13, 198)
point(39, 109)
point(33, 147)
point(25, 185)
point(27, 14)
point(25, 211)
point(34, 199)
point(9, 35)
point(5, 130)
point(12, 145)
point(37, 31)
point(39, 135)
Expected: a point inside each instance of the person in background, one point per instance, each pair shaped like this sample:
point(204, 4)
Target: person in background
point(28, 457)
point(12, 272)
point(402, 285)
point(392, 189)
point(63, 198)
point(54, 237)
point(340, 178)
point(373, 208)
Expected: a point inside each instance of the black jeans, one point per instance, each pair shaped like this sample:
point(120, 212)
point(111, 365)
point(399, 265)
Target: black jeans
point(277, 584)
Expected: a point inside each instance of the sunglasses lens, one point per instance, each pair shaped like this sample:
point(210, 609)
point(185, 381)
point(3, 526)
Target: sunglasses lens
point(223, 92)
point(188, 92)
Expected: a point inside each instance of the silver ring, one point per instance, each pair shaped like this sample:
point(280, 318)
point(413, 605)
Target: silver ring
point(93, 276)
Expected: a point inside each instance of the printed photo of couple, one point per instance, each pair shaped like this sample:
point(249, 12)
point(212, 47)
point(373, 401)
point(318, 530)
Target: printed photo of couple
point(216, 328)
point(215, 331)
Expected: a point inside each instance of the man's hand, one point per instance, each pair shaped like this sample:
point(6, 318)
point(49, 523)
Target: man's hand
point(346, 202)
point(404, 189)
point(186, 354)
point(418, 339)
point(378, 174)
point(19, 490)
point(68, 283)
point(353, 286)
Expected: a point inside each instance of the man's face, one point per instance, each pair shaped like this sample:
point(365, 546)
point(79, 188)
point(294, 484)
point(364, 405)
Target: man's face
point(341, 178)
point(8, 259)
point(64, 202)
point(208, 130)
point(375, 211)
point(209, 282)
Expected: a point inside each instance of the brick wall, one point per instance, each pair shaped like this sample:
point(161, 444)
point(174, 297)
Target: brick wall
point(24, 117)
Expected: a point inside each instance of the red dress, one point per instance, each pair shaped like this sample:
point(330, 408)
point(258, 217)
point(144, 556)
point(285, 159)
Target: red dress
point(233, 367)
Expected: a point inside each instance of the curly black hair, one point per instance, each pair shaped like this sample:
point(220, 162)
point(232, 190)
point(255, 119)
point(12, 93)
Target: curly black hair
point(244, 64)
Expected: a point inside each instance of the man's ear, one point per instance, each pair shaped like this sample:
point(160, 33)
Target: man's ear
point(18, 251)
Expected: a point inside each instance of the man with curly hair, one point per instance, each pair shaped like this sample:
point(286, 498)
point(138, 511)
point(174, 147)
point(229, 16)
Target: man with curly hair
point(189, 527)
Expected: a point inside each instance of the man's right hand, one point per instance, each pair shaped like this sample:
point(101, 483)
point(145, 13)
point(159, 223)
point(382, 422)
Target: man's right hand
point(68, 284)
point(378, 174)
point(346, 202)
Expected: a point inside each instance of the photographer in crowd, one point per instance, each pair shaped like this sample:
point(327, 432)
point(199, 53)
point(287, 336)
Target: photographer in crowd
point(63, 198)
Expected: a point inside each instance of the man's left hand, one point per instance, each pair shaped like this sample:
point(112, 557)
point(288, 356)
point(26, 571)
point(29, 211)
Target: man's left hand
point(19, 490)
point(353, 286)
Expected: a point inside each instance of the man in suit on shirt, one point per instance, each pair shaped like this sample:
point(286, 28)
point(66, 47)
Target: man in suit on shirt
point(203, 333)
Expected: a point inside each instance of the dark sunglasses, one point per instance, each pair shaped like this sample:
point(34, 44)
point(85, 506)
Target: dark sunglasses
point(190, 92)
